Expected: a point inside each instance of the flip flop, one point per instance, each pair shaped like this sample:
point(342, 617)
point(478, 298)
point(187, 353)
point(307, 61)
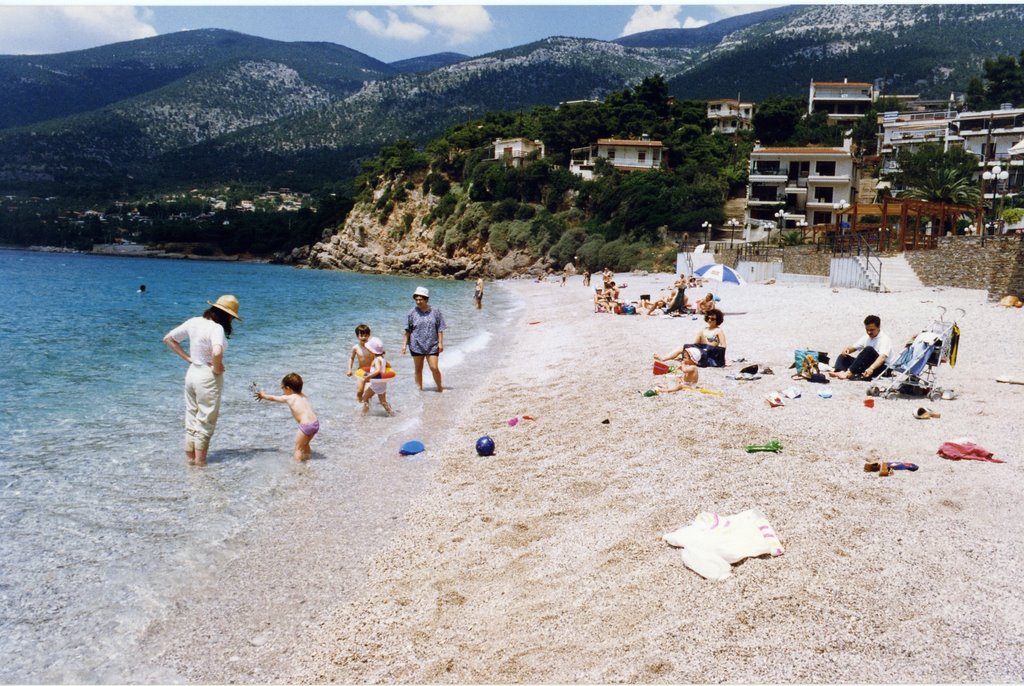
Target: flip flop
point(903, 466)
point(871, 467)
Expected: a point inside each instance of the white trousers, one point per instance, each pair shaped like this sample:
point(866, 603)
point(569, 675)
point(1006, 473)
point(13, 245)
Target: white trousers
point(202, 406)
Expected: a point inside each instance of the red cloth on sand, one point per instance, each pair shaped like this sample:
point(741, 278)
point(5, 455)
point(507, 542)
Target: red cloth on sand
point(966, 451)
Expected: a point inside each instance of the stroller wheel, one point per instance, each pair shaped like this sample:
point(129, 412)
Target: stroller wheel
point(874, 391)
point(892, 393)
point(935, 394)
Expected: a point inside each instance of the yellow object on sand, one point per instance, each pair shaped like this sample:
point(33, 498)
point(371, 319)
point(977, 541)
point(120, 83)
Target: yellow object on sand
point(705, 391)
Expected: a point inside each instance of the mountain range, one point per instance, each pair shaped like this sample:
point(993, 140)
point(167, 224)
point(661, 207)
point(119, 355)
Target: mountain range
point(212, 105)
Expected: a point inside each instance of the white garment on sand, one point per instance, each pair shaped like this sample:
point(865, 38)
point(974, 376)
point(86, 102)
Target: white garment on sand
point(712, 542)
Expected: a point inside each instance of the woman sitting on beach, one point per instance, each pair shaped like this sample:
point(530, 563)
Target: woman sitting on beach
point(710, 341)
point(713, 334)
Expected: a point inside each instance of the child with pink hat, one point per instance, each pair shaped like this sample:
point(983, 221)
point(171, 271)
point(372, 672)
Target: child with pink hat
point(378, 376)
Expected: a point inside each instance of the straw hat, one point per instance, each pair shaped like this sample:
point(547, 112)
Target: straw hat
point(227, 303)
point(420, 290)
point(375, 346)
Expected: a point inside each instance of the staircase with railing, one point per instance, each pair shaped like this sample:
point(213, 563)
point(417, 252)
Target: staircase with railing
point(854, 263)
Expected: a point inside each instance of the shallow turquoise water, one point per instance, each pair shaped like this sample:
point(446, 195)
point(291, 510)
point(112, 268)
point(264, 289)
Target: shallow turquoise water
point(99, 511)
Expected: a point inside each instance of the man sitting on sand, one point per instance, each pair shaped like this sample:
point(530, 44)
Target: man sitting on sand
point(872, 349)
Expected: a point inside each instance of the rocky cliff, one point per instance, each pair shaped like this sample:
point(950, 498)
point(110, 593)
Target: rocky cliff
point(400, 231)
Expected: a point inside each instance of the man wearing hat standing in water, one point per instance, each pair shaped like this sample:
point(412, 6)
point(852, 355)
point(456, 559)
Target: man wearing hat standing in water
point(424, 336)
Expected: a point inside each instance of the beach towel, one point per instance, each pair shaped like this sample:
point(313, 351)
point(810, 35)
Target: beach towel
point(712, 543)
point(966, 451)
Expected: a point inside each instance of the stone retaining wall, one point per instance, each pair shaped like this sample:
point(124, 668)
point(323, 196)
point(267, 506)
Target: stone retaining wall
point(963, 261)
point(806, 259)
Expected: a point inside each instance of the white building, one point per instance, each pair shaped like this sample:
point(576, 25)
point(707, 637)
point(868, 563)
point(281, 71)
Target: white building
point(805, 183)
point(845, 101)
point(625, 155)
point(514, 150)
point(730, 116)
point(990, 134)
point(907, 131)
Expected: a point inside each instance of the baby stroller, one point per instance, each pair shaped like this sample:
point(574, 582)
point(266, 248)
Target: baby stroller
point(913, 371)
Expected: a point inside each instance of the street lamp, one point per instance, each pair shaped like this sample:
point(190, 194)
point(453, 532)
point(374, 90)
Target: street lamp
point(801, 226)
point(779, 219)
point(840, 209)
point(707, 231)
point(999, 175)
point(733, 224)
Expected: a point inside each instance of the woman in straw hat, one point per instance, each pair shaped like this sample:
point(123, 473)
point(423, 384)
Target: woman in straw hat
point(424, 336)
point(204, 381)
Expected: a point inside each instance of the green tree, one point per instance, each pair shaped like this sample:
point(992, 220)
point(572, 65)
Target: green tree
point(945, 184)
point(865, 130)
point(937, 175)
point(1003, 82)
point(916, 165)
point(776, 118)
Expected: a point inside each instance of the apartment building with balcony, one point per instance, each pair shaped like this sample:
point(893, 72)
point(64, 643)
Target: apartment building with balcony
point(845, 101)
point(805, 183)
point(624, 155)
point(907, 131)
point(512, 151)
point(730, 116)
point(990, 134)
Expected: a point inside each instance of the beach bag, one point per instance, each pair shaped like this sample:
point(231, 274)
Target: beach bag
point(618, 308)
point(809, 367)
point(800, 355)
point(628, 309)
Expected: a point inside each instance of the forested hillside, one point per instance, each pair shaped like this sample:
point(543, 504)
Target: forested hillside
point(452, 209)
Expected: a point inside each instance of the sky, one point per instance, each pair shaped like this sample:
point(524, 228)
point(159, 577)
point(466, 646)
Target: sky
point(385, 32)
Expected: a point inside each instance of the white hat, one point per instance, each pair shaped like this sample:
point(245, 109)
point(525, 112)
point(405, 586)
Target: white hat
point(375, 346)
point(694, 354)
point(420, 290)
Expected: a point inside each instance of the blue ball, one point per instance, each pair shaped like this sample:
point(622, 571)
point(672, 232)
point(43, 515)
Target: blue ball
point(484, 446)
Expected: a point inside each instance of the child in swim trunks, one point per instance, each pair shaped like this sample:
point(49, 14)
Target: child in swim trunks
point(361, 357)
point(378, 384)
point(301, 409)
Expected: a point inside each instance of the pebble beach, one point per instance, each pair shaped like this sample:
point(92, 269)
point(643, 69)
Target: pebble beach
point(545, 561)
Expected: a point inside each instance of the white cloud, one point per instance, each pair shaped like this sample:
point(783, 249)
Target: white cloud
point(647, 18)
point(394, 27)
point(34, 30)
point(457, 24)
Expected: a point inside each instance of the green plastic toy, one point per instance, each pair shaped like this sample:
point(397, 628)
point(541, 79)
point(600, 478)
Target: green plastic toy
point(769, 447)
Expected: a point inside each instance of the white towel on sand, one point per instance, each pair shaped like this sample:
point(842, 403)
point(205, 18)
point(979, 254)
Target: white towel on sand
point(712, 542)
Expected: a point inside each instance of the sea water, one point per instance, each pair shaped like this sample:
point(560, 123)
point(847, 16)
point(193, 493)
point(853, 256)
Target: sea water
point(100, 516)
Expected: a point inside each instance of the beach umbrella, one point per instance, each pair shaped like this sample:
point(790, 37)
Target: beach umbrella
point(719, 272)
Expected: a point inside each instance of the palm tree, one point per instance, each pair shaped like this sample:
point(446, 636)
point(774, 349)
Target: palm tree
point(948, 185)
